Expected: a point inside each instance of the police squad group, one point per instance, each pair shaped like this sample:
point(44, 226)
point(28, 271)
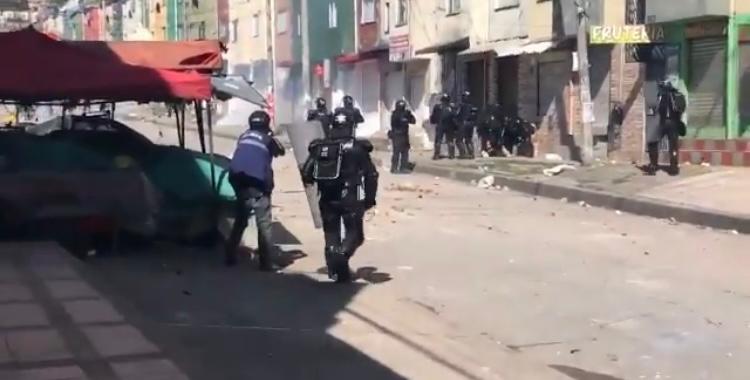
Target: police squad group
point(340, 165)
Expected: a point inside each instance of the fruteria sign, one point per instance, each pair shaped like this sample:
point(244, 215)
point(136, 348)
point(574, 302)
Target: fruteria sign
point(626, 34)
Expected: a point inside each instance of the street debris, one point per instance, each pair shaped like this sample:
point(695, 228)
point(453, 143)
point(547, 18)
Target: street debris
point(405, 268)
point(713, 323)
point(583, 204)
point(575, 351)
point(473, 182)
point(734, 232)
point(551, 172)
point(486, 182)
point(553, 157)
point(553, 214)
point(613, 357)
point(618, 212)
point(564, 200)
point(646, 253)
point(673, 221)
point(485, 154)
point(706, 164)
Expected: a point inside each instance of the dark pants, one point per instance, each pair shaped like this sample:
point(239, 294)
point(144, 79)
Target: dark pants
point(400, 157)
point(466, 142)
point(670, 130)
point(333, 215)
point(449, 135)
point(251, 201)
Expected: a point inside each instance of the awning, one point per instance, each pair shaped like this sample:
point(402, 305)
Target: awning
point(41, 69)
point(522, 49)
point(460, 44)
point(361, 56)
point(168, 55)
point(237, 87)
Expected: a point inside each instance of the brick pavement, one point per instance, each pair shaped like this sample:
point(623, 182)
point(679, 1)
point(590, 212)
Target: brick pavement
point(55, 326)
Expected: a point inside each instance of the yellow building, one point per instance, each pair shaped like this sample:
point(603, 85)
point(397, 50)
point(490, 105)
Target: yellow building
point(158, 19)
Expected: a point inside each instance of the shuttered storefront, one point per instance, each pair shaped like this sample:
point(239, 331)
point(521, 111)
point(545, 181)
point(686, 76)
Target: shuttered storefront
point(707, 83)
point(744, 100)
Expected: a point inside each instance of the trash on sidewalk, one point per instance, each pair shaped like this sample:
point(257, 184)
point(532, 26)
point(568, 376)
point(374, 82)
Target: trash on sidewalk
point(557, 170)
point(553, 157)
point(485, 154)
point(618, 212)
point(564, 200)
point(486, 182)
point(583, 204)
point(706, 164)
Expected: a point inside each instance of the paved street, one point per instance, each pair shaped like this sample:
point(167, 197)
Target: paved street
point(455, 283)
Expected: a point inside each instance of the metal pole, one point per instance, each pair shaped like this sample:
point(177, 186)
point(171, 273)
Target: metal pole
point(587, 140)
point(209, 119)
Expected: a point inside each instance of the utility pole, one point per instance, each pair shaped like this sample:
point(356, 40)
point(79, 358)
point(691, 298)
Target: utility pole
point(587, 106)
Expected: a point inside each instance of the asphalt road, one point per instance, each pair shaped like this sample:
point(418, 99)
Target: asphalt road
point(456, 283)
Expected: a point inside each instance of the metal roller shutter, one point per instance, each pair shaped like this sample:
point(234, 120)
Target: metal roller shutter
point(707, 85)
point(745, 86)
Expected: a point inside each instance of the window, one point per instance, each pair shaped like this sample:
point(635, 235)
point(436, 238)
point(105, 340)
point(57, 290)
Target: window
point(387, 18)
point(402, 13)
point(158, 8)
point(368, 11)
point(454, 6)
point(282, 22)
point(333, 16)
point(255, 25)
point(233, 31)
point(202, 30)
point(504, 4)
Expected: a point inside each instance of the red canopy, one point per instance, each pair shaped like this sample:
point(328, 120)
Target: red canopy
point(168, 55)
point(37, 68)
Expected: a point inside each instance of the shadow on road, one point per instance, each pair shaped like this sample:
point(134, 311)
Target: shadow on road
point(235, 323)
point(579, 374)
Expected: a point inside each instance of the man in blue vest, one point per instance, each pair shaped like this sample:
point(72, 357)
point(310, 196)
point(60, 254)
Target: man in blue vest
point(251, 176)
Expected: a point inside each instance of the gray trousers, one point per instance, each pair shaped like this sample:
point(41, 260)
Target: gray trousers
point(252, 202)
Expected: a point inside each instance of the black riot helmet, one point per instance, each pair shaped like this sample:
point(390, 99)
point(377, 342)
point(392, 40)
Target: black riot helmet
point(320, 104)
point(259, 121)
point(341, 125)
point(445, 98)
point(466, 96)
point(400, 105)
point(348, 101)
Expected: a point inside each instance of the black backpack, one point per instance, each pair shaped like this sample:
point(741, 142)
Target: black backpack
point(679, 103)
point(328, 158)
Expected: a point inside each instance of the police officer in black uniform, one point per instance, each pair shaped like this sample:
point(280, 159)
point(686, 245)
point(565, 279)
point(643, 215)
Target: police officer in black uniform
point(251, 176)
point(353, 114)
point(347, 181)
point(321, 114)
point(671, 106)
point(468, 116)
point(443, 116)
point(491, 130)
point(401, 118)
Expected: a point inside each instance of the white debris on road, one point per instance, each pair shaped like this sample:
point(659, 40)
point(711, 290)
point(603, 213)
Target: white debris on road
point(486, 182)
point(557, 170)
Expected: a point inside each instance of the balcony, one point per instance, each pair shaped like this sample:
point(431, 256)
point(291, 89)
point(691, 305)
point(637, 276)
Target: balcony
point(658, 11)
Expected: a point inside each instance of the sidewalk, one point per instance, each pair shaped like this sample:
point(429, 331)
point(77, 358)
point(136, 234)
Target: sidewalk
point(55, 326)
point(714, 197)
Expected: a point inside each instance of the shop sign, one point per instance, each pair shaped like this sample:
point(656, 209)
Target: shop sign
point(399, 48)
point(706, 29)
point(626, 34)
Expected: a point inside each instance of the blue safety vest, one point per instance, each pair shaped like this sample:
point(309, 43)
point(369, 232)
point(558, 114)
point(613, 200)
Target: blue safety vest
point(252, 156)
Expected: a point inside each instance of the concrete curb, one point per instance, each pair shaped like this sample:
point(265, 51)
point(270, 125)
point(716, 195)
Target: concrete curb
point(630, 204)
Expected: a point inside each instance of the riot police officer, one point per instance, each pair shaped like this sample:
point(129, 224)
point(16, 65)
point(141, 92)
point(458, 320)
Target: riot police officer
point(353, 114)
point(251, 176)
point(467, 122)
point(443, 116)
point(347, 181)
point(321, 114)
point(491, 130)
point(671, 106)
point(401, 118)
